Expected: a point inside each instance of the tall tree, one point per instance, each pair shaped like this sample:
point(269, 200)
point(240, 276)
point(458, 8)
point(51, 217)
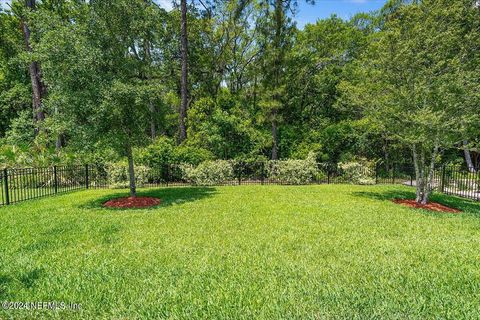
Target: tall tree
point(278, 31)
point(320, 58)
point(38, 88)
point(414, 83)
point(182, 129)
point(468, 156)
point(15, 83)
point(100, 51)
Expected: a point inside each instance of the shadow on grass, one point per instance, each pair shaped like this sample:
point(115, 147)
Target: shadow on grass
point(168, 196)
point(27, 279)
point(465, 205)
point(5, 281)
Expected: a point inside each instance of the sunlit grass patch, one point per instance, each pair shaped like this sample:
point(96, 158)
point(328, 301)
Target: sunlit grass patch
point(330, 251)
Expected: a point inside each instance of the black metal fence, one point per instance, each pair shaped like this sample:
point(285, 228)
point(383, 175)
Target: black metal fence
point(265, 173)
point(455, 180)
point(29, 183)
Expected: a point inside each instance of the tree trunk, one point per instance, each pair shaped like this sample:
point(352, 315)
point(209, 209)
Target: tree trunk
point(429, 185)
point(418, 175)
point(255, 92)
point(131, 172)
point(385, 152)
point(182, 134)
point(34, 71)
point(60, 142)
point(279, 24)
point(468, 157)
point(147, 60)
point(424, 178)
point(153, 127)
point(274, 140)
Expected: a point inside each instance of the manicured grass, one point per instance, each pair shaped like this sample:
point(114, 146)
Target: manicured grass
point(326, 252)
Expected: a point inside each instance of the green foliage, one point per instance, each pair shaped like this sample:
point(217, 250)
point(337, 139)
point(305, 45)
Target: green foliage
point(371, 86)
point(223, 127)
point(208, 172)
point(191, 155)
point(414, 93)
point(117, 175)
point(359, 171)
point(293, 171)
point(414, 83)
point(158, 153)
point(15, 96)
point(163, 151)
point(21, 129)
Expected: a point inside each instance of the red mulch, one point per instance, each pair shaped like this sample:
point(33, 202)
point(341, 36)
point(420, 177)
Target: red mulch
point(433, 206)
point(132, 202)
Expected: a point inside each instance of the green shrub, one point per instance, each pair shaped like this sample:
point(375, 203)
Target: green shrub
point(158, 154)
point(208, 172)
point(293, 171)
point(191, 155)
point(321, 175)
point(117, 175)
point(163, 152)
point(360, 171)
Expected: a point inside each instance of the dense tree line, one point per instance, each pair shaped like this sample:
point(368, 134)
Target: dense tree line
point(223, 79)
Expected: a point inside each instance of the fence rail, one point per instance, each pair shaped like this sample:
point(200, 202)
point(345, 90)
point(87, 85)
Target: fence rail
point(30, 183)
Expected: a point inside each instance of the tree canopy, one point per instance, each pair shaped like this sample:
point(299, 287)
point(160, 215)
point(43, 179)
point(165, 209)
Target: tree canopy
point(89, 81)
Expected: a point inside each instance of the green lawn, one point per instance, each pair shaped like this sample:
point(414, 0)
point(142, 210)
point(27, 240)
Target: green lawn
point(269, 252)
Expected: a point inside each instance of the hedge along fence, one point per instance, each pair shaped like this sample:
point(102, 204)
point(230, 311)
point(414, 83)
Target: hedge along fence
point(231, 172)
point(22, 184)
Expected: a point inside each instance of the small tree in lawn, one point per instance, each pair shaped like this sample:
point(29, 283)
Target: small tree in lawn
point(414, 83)
point(95, 74)
point(124, 114)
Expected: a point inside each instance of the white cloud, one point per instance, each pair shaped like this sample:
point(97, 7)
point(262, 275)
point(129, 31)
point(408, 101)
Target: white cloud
point(4, 3)
point(358, 1)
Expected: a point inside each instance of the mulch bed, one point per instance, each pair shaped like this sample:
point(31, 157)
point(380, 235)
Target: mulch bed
point(132, 202)
point(433, 206)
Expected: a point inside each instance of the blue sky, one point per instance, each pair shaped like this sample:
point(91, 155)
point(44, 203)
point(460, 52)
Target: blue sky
point(345, 9)
point(311, 13)
point(307, 13)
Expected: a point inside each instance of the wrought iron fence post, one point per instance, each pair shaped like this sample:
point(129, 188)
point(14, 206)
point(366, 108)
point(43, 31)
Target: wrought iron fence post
point(376, 173)
point(87, 182)
point(240, 167)
point(7, 195)
point(55, 181)
point(393, 173)
point(328, 174)
point(168, 174)
point(262, 172)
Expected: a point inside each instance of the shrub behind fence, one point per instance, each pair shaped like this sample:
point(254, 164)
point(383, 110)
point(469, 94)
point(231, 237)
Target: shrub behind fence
point(30, 183)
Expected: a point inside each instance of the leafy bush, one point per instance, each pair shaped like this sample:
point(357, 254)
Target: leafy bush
point(321, 175)
point(191, 155)
point(158, 154)
point(21, 130)
point(360, 171)
point(163, 152)
point(208, 172)
point(117, 175)
point(293, 171)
